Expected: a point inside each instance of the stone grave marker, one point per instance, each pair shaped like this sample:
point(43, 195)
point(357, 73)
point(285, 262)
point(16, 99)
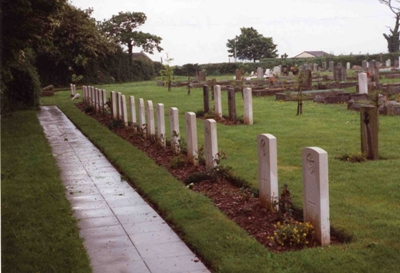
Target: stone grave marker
point(324, 66)
point(260, 73)
point(132, 112)
point(150, 128)
point(100, 100)
point(388, 63)
point(238, 74)
point(339, 73)
point(161, 125)
point(49, 91)
point(124, 111)
point(348, 65)
point(364, 65)
point(217, 101)
point(201, 76)
point(248, 105)
point(307, 79)
point(191, 138)
point(331, 66)
point(119, 102)
point(369, 131)
point(114, 105)
point(316, 192)
point(141, 116)
point(210, 143)
point(267, 170)
point(396, 63)
point(362, 83)
point(206, 98)
point(231, 103)
point(174, 129)
point(315, 67)
point(277, 71)
point(104, 95)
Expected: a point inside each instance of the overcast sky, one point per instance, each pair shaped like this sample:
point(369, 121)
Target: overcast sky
point(196, 31)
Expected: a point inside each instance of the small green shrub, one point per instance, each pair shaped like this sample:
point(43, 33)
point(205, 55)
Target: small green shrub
point(115, 124)
point(353, 157)
point(177, 161)
point(293, 234)
point(89, 109)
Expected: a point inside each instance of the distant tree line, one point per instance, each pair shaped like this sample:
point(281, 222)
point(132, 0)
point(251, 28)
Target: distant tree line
point(52, 42)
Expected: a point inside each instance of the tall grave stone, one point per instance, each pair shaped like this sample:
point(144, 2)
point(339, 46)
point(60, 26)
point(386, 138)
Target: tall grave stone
point(161, 125)
point(114, 105)
point(150, 128)
point(141, 116)
point(210, 143)
point(248, 105)
point(191, 138)
point(362, 83)
point(316, 192)
point(124, 111)
point(132, 111)
point(347, 65)
point(267, 170)
point(307, 79)
point(238, 76)
point(369, 131)
point(174, 129)
point(324, 66)
point(364, 65)
point(315, 67)
point(217, 101)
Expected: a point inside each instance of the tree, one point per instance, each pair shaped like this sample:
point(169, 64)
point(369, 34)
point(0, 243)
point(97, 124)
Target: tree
point(76, 41)
point(122, 27)
point(25, 24)
point(250, 45)
point(167, 73)
point(393, 38)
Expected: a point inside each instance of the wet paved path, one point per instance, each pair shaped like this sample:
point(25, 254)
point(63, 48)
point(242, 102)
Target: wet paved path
point(122, 232)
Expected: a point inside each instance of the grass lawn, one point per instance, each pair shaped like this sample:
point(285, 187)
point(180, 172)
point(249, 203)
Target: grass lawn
point(364, 197)
point(38, 232)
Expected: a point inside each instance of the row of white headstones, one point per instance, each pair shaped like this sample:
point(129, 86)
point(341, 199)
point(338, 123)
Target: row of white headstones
point(314, 159)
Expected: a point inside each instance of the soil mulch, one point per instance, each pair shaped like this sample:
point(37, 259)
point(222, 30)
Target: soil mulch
point(238, 204)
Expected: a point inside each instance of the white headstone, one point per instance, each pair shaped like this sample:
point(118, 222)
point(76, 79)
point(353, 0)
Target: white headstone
point(388, 63)
point(161, 125)
point(119, 102)
point(217, 101)
point(114, 105)
point(210, 143)
point(72, 89)
point(104, 95)
point(347, 65)
point(277, 71)
point(84, 93)
point(248, 105)
point(77, 95)
point(174, 129)
point(150, 128)
point(362, 83)
point(124, 111)
point(141, 116)
point(191, 138)
point(96, 100)
point(267, 170)
point(99, 100)
point(316, 192)
point(132, 112)
point(91, 96)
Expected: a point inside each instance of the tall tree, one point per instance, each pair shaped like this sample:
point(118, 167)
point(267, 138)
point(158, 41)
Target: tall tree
point(25, 24)
point(250, 45)
point(122, 27)
point(393, 38)
point(76, 41)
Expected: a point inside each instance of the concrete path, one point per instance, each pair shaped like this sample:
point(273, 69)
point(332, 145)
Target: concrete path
point(122, 232)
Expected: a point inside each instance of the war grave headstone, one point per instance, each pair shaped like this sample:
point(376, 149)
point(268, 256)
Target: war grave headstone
point(267, 170)
point(210, 143)
point(161, 125)
point(141, 116)
point(132, 108)
point(174, 129)
point(362, 83)
point(124, 111)
point(331, 66)
point(191, 138)
point(114, 105)
point(316, 192)
point(150, 127)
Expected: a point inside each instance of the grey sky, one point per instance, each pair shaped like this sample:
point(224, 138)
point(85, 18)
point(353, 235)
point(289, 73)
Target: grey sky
point(196, 31)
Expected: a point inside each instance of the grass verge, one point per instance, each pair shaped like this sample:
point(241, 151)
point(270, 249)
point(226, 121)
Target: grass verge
point(38, 232)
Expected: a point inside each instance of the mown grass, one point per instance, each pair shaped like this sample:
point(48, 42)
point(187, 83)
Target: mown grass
point(38, 232)
point(363, 196)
